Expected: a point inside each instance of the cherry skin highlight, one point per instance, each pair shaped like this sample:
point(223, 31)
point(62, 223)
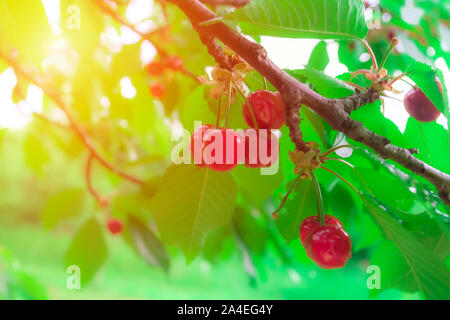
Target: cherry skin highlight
point(419, 106)
point(329, 246)
point(312, 222)
point(114, 226)
point(267, 107)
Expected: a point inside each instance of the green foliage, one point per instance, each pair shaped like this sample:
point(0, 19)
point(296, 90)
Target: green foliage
point(425, 78)
point(87, 251)
point(221, 222)
point(147, 244)
point(15, 283)
point(61, 206)
point(303, 19)
point(302, 205)
point(319, 57)
point(25, 30)
point(407, 263)
point(200, 201)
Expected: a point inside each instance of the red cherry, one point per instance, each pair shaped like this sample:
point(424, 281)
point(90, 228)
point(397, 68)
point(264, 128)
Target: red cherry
point(175, 63)
point(198, 144)
point(224, 154)
point(419, 106)
point(267, 107)
point(312, 222)
point(115, 226)
point(329, 246)
point(155, 68)
point(158, 89)
point(258, 148)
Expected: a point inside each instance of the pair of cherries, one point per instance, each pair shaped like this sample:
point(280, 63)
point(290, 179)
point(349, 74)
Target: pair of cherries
point(232, 148)
point(328, 244)
point(267, 112)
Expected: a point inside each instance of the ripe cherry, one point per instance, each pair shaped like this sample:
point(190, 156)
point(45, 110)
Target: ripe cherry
point(258, 148)
point(155, 68)
point(268, 109)
point(158, 89)
point(329, 246)
point(198, 144)
point(312, 222)
point(114, 226)
point(175, 63)
point(419, 106)
point(223, 154)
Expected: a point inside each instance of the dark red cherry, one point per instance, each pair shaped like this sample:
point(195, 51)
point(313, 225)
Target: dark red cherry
point(312, 222)
point(258, 148)
point(419, 106)
point(268, 109)
point(198, 144)
point(114, 226)
point(175, 63)
point(155, 68)
point(329, 246)
point(158, 89)
point(223, 149)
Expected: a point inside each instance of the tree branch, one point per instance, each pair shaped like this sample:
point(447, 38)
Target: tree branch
point(234, 3)
point(103, 202)
point(38, 81)
point(294, 93)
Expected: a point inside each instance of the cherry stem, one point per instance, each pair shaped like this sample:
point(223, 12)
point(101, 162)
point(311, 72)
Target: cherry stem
point(275, 213)
point(219, 107)
point(356, 86)
point(342, 178)
point(407, 82)
point(386, 56)
point(337, 148)
point(372, 55)
point(394, 79)
point(353, 168)
point(358, 72)
point(247, 103)
point(265, 83)
point(385, 95)
point(88, 176)
point(228, 105)
point(318, 197)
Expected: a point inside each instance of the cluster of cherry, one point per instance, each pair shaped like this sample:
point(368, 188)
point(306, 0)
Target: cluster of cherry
point(254, 147)
point(327, 244)
point(157, 68)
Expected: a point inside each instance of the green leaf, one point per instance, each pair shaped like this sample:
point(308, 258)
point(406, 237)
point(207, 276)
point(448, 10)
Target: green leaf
point(254, 186)
point(189, 203)
point(431, 141)
point(322, 83)
point(251, 230)
point(147, 244)
point(408, 265)
point(61, 206)
point(24, 26)
point(302, 205)
point(328, 19)
point(425, 78)
point(319, 57)
point(88, 250)
point(36, 154)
